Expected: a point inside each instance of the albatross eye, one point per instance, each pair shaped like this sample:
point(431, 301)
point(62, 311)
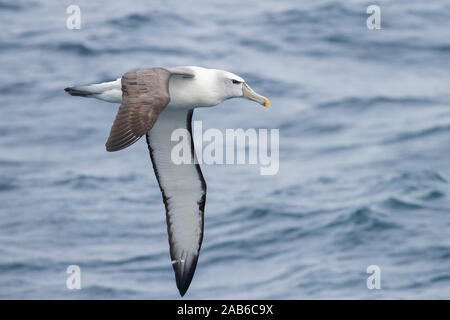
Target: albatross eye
point(235, 81)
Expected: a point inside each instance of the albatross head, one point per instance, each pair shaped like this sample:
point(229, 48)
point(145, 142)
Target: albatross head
point(202, 87)
point(233, 86)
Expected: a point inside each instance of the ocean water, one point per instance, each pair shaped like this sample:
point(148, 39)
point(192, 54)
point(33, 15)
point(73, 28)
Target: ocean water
point(364, 174)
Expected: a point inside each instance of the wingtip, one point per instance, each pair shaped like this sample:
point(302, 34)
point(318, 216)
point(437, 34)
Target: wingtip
point(75, 92)
point(184, 272)
point(109, 148)
point(117, 145)
point(183, 280)
point(182, 290)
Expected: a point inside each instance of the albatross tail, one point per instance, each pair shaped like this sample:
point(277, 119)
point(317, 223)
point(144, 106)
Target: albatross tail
point(106, 91)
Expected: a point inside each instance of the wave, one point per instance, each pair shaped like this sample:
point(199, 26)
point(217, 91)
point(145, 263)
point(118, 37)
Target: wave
point(312, 15)
point(82, 181)
point(359, 102)
point(400, 204)
point(83, 49)
point(418, 134)
point(151, 19)
point(7, 186)
point(364, 220)
point(22, 266)
point(433, 195)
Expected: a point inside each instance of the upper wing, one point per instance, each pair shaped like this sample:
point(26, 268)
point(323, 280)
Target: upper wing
point(184, 192)
point(185, 72)
point(145, 93)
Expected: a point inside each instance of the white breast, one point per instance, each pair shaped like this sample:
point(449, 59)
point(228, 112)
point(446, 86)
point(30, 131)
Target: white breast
point(199, 91)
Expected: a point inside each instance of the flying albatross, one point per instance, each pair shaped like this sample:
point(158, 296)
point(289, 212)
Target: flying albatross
point(154, 102)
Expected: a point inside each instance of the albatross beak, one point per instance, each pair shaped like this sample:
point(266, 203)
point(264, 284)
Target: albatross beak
point(248, 93)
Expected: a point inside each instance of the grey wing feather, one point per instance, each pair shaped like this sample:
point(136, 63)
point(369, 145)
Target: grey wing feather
point(145, 94)
point(186, 72)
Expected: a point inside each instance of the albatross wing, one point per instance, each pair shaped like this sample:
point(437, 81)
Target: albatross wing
point(184, 192)
point(145, 93)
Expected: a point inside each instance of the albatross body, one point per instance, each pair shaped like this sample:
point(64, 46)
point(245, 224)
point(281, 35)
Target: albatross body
point(154, 102)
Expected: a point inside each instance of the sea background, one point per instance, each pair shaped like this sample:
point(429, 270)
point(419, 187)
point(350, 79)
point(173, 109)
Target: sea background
point(364, 174)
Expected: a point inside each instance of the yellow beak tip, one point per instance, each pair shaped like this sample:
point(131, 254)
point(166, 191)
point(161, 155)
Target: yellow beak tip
point(266, 103)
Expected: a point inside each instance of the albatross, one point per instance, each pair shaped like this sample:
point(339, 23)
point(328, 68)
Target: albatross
point(154, 102)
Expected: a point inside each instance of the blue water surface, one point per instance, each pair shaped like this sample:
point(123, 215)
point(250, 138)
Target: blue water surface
point(364, 175)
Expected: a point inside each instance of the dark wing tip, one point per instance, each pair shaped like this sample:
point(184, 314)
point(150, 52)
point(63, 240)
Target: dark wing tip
point(184, 272)
point(111, 148)
point(76, 92)
point(115, 143)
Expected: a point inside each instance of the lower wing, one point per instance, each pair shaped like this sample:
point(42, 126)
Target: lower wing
point(184, 192)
